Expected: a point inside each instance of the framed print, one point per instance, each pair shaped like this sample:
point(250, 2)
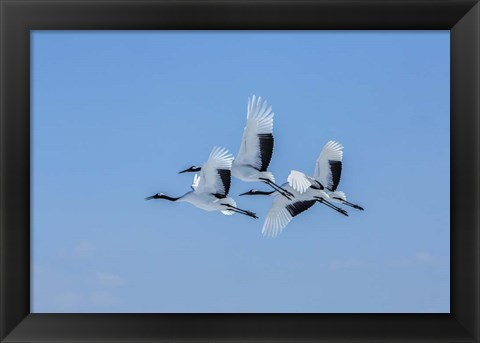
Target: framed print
point(115, 112)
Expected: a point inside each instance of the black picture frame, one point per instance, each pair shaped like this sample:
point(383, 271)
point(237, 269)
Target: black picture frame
point(18, 17)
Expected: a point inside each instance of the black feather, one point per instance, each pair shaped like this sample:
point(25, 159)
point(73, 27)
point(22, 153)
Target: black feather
point(317, 185)
point(336, 170)
point(299, 206)
point(266, 149)
point(225, 176)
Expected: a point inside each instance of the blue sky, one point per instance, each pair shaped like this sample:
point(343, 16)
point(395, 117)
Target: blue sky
point(115, 116)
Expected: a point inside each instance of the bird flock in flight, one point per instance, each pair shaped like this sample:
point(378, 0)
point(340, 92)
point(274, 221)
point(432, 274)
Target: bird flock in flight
point(211, 185)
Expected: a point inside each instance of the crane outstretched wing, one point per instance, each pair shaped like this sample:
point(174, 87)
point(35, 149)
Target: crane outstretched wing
point(257, 142)
point(299, 181)
point(281, 213)
point(215, 173)
point(328, 167)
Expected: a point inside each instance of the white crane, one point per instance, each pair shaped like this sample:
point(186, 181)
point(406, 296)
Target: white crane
point(283, 210)
point(328, 170)
point(210, 188)
point(256, 148)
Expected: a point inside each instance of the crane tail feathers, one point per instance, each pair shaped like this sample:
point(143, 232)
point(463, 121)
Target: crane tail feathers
point(228, 201)
point(338, 195)
point(268, 175)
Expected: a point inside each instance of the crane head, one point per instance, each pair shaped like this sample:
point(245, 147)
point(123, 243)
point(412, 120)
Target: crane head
point(155, 196)
point(257, 192)
point(250, 192)
point(192, 169)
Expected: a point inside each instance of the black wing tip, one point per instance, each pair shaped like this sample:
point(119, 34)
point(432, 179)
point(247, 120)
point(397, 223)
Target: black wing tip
point(266, 149)
point(298, 207)
point(225, 176)
point(336, 170)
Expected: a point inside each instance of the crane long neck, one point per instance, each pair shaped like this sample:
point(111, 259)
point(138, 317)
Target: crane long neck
point(263, 193)
point(166, 197)
point(163, 196)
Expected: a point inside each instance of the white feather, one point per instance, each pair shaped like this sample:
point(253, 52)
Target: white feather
point(277, 218)
point(196, 180)
point(228, 201)
point(299, 181)
point(332, 151)
point(337, 196)
point(259, 121)
point(209, 179)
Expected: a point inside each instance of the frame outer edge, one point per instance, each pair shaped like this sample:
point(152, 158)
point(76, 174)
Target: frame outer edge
point(3, 310)
point(476, 277)
point(14, 168)
point(15, 308)
point(2, 238)
point(476, 314)
point(465, 151)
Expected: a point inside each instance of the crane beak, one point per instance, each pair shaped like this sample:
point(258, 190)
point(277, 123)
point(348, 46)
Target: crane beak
point(151, 197)
point(244, 193)
point(184, 171)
